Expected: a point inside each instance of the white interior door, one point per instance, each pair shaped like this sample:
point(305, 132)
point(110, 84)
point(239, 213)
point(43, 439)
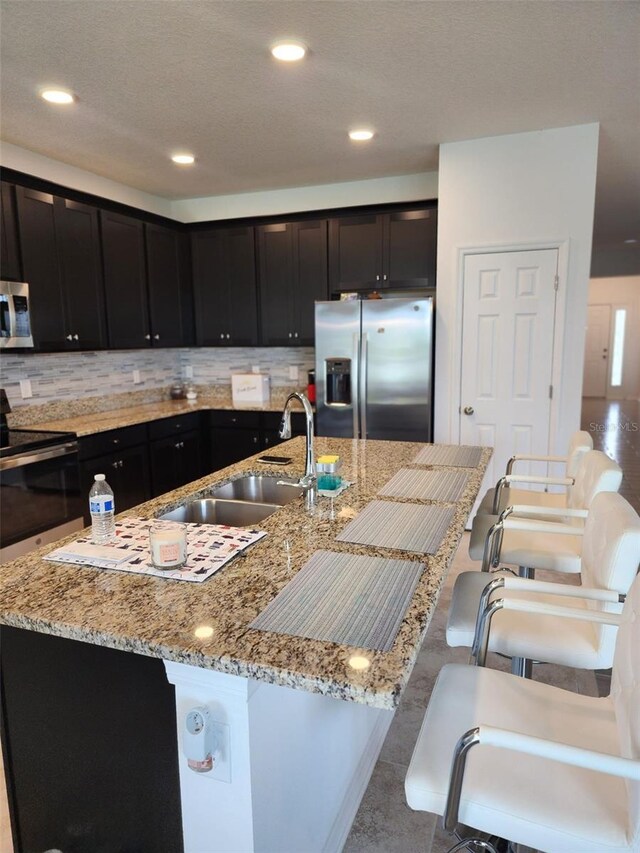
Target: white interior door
point(507, 355)
point(596, 351)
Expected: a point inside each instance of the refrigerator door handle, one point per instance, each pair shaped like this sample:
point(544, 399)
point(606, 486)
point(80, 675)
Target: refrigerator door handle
point(363, 382)
point(354, 390)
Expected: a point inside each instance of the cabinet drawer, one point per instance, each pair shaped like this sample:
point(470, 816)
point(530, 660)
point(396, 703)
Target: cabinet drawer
point(174, 426)
point(232, 418)
point(113, 440)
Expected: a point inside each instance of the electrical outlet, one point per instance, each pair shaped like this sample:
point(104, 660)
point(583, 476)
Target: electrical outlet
point(25, 389)
point(255, 368)
point(294, 373)
point(136, 377)
point(188, 371)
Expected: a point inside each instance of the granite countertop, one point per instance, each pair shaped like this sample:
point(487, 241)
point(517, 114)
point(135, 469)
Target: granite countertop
point(159, 617)
point(90, 422)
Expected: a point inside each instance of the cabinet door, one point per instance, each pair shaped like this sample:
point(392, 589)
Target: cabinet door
point(410, 248)
point(241, 284)
point(277, 312)
point(124, 280)
point(355, 253)
point(311, 277)
point(41, 268)
point(229, 446)
point(165, 285)
point(224, 282)
point(9, 248)
point(135, 481)
point(189, 458)
point(127, 472)
point(163, 453)
point(79, 251)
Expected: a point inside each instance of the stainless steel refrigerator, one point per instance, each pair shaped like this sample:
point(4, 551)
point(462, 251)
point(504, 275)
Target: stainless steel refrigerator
point(374, 369)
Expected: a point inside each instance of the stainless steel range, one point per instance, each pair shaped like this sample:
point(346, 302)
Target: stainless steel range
point(40, 497)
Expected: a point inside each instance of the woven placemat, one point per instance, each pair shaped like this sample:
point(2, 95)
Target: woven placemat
point(455, 455)
point(406, 527)
point(344, 598)
point(426, 485)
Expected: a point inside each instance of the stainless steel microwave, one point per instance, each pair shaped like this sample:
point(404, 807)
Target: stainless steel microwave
point(15, 320)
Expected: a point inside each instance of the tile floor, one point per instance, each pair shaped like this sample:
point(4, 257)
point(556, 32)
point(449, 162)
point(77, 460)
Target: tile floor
point(615, 428)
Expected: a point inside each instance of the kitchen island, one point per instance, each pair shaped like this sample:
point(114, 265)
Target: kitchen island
point(299, 722)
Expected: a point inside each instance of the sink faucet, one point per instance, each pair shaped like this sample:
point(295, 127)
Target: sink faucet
point(309, 478)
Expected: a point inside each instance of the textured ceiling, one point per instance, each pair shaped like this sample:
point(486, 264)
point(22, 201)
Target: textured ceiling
point(153, 76)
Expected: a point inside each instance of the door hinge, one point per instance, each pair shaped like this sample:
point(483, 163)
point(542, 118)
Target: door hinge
point(551, 392)
point(556, 282)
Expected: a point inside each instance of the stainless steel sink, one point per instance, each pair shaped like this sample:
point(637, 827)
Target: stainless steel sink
point(216, 511)
point(258, 489)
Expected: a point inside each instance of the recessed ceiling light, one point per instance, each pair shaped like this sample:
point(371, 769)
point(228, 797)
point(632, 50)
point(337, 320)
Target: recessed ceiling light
point(289, 51)
point(183, 159)
point(360, 135)
point(57, 96)
point(631, 240)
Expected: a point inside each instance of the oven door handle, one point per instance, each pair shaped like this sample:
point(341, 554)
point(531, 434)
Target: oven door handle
point(39, 456)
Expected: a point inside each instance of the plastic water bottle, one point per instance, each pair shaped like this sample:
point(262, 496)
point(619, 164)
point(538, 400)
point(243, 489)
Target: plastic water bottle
point(102, 508)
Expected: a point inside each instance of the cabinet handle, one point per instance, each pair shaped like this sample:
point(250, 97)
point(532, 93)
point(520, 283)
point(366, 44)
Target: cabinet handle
point(177, 445)
point(222, 336)
point(377, 278)
point(384, 277)
point(156, 337)
point(114, 464)
point(147, 337)
point(255, 439)
point(115, 440)
point(228, 336)
point(120, 463)
point(295, 335)
point(290, 335)
point(76, 337)
point(69, 337)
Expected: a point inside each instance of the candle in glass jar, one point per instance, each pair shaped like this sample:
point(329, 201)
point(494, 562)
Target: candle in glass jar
point(168, 545)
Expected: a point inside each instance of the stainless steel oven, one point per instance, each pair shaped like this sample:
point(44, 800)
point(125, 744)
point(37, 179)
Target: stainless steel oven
point(15, 320)
point(40, 497)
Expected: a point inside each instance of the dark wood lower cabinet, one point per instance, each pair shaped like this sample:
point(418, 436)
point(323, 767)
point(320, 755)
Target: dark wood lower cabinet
point(175, 460)
point(89, 747)
point(127, 472)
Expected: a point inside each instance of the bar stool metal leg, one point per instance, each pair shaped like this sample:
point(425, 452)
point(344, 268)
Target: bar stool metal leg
point(522, 666)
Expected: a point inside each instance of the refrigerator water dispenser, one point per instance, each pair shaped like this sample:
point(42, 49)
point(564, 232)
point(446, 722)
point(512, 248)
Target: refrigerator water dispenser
point(338, 381)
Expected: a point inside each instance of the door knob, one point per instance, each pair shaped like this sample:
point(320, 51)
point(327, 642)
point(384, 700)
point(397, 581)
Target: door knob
point(468, 410)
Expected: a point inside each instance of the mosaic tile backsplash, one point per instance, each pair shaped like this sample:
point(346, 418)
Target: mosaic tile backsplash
point(58, 376)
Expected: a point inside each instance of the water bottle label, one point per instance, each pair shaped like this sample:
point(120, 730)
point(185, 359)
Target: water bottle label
point(100, 504)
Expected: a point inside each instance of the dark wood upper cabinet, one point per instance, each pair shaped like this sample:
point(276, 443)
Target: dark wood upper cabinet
point(41, 268)
point(10, 269)
point(276, 271)
point(81, 273)
point(355, 252)
point(388, 250)
point(224, 282)
point(311, 256)
point(124, 281)
point(410, 248)
point(164, 277)
point(293, 275)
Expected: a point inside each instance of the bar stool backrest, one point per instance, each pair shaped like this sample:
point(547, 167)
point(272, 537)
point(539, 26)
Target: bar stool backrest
point(581, 442)
point(596, 473)
point(625, 693)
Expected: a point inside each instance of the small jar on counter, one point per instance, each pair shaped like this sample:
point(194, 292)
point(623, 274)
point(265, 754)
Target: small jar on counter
point(177, 391)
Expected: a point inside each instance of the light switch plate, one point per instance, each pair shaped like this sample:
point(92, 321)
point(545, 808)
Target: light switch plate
point(188, 371)
point(294, 373)
point(255, 368)
point(136, 377)
point(25, 389)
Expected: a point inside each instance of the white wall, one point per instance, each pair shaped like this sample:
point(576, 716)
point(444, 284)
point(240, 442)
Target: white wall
point(22, 160)
point(623, 292)
point(401, 188)
point(501, 191)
